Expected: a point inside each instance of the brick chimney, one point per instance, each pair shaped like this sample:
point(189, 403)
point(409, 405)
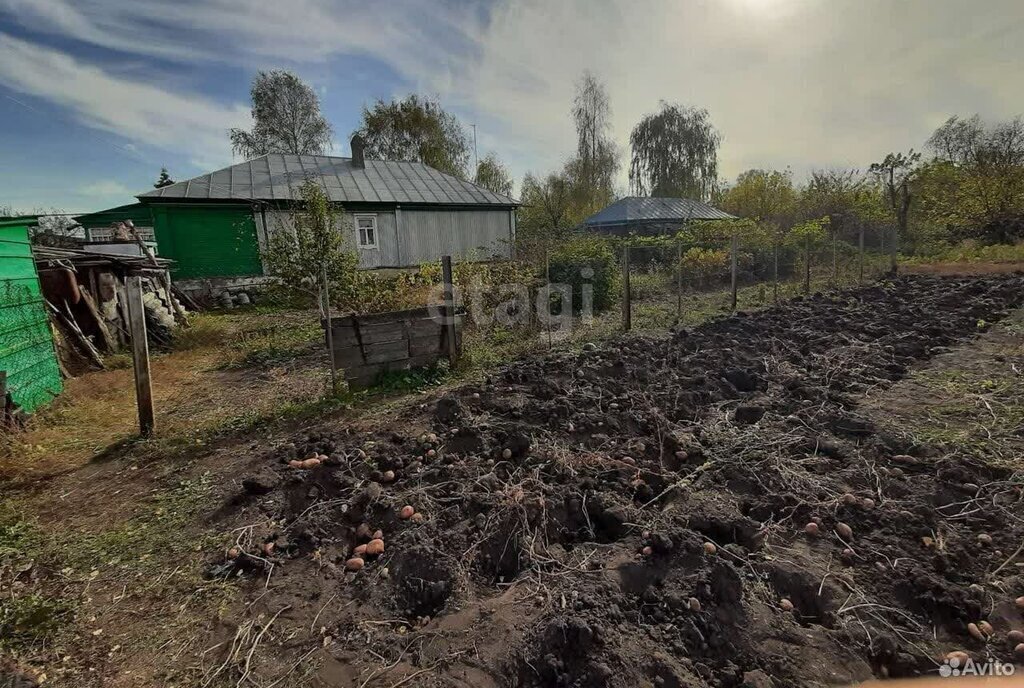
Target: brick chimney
point(357, 151)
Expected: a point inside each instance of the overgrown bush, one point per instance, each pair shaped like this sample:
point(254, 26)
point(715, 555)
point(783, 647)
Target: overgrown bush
point(590, 261)
point(705, 266)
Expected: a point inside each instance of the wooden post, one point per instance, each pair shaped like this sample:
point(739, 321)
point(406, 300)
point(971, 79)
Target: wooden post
point(860, 241)
point(326, 294)
point(140, 355)
point(807, 265)
point(679, 282)
point(732, 254)
point(449, 308)
point(627, 309)
point(775, 268)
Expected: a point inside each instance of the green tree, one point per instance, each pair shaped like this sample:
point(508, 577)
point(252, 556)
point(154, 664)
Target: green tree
point(286, 118)
point(597, 160)
point(674, 153)
point(300, 255)
point(163, 180)
point(546, 206)
point(492, 174)
point(765, 196)
point(416, 129)
point(896, 173)
point(974, 186)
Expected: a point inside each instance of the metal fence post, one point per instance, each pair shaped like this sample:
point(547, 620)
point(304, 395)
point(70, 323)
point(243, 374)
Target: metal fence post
point(679, 281)
point(627, 310)
point(449, 308)
point(547, 289)
point(860, 241)
point(893, 249)
point(140, 355)
point(732, 252)
point(807, 264)
point(835, 261)
point(775, 268)
point(329, 328)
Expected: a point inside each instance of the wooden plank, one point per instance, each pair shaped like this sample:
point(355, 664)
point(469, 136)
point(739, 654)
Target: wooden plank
point(420, 346)
point(140, 356)
point(426, 327)
point(382, 332)
point(385, 352)
point(109, 343)
point(347, 356)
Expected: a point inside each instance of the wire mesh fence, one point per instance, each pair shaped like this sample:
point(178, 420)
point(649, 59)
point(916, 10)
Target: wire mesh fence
point(686, 280)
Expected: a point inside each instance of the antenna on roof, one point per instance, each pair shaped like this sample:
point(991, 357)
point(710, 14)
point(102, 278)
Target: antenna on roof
point(476, 162)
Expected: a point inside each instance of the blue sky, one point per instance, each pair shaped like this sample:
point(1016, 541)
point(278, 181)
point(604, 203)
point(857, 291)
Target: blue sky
point(97, 95)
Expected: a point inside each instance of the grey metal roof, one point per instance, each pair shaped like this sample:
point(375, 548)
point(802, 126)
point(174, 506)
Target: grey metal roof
point(278, 176)
point(638, 209)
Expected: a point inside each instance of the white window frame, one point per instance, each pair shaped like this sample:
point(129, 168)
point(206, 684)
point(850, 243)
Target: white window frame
point(106, 234)
point(373, 218)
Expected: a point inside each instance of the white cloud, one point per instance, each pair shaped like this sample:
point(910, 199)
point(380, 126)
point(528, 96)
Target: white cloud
point(140, 112)
point(796, 83)
point(104, 188)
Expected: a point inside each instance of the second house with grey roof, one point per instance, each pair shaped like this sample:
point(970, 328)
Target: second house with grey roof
point(396, 214)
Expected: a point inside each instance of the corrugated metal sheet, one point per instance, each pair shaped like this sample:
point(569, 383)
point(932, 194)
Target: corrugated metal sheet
point(26, 343)
point(426, 235)
point(278, 176)
point(384, 256)
point(637, 209)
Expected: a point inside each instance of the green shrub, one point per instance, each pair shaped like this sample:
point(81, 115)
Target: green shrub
point(587, 260)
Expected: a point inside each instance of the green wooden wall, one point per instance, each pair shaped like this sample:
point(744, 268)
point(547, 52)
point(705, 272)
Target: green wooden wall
point(26, 343)
point(208, 240)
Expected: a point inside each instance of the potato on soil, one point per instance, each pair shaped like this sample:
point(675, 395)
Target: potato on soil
point(985, 538)
point(785, 605)
point(375, 547)
point(360, 550)
point(844, 531)
point(1020, 603)
point(506, 454)
point(868, 504)
point(849, 499)
point(710, 548)
point(986, 628)
point(417, 517)
point(295, 463)
point(975, 632)
point(354, 564)
point(311, 463)
point(960, 656)
point(377, 535)
point(1019, 652)
point(388, 477)
point(694, 604)
point(812, 529)
point(234, 553)
point(1015, 637)
point(647, 551)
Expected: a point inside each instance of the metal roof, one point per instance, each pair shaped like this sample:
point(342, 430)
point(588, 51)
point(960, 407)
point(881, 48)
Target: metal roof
point(278, 176)
point(638, 209)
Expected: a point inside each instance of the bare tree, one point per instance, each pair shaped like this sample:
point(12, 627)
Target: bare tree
point(597, 161)
point(286, 118)
point(675, 153)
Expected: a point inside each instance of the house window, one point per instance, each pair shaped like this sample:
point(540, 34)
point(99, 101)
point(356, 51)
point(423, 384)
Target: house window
point(107, 234)
point(366, 231)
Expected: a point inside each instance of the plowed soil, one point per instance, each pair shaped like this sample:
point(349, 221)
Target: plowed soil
point(637, 514)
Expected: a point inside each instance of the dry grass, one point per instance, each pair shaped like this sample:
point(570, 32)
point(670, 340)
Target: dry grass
point(227, 371)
